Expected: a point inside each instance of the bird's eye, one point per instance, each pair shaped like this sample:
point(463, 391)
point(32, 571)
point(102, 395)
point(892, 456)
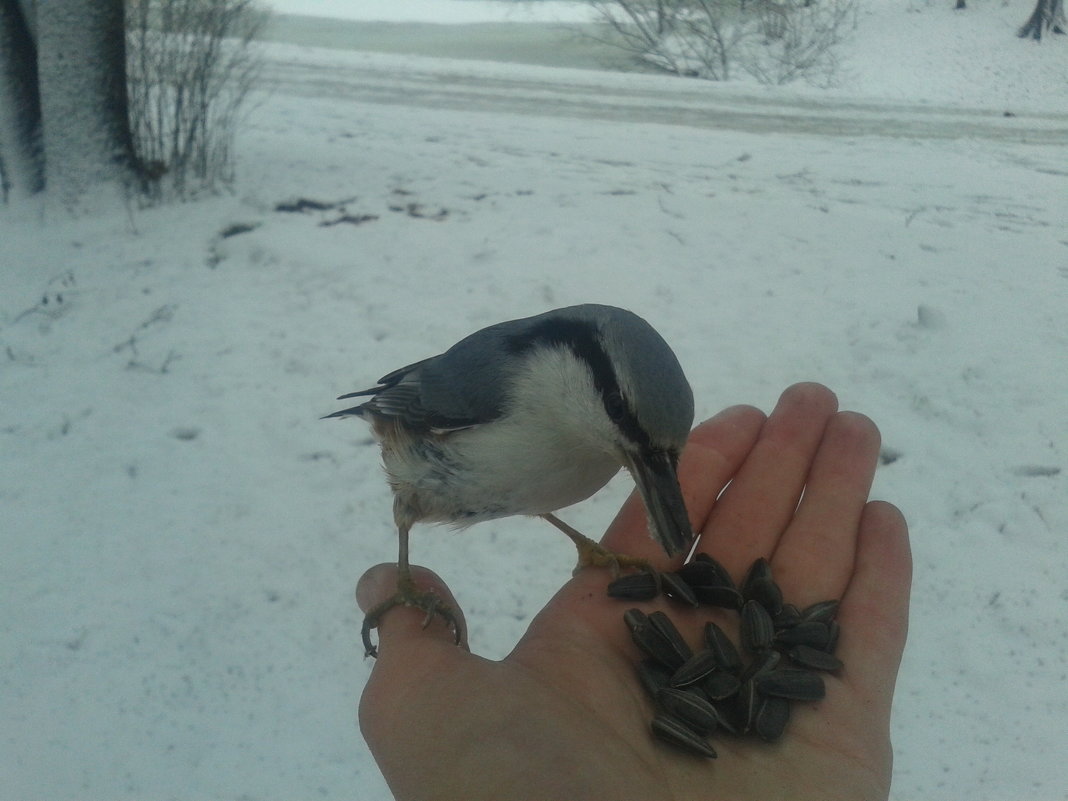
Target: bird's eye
point(614, 405)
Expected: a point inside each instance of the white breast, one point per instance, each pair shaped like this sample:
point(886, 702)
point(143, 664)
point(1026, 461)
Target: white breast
point(555, 447)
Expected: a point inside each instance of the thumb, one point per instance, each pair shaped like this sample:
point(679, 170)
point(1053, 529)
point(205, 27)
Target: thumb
point(413, 661)
point(403, 628)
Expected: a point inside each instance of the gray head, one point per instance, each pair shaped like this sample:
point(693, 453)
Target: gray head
point(646, 398)
point(658, 398)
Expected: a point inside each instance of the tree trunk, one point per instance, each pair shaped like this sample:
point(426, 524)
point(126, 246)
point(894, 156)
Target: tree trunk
point(81, 49)
point(21, 157)
point(1048, 15)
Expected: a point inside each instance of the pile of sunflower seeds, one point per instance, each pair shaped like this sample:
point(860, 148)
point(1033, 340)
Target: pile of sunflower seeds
point(716, 689)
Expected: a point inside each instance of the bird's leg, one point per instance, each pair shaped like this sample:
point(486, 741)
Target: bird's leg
point(593, 554)
point(408, 595)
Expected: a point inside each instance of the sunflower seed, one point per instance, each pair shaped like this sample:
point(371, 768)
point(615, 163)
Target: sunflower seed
point(788, 617)
point(745, 707)
point(767, 593)
point(771, 718)
point(816, 635)
point(792, 683)
point(635, 619)
point(677, 589)
point(760, 568)
point(833, 630)
point(710, 691)
point(720, 685)
point(642, 586)
point(725, 597)
point(760, 586)
point(690, 708)
point(676, 733)
point(704, 571)
point(814, 658)
point(655, 647)
point(765, 662)
point(757, 628)
point(725, 710)
point(673, 641)
point(720, 644)
point(695, 668)
point(653, 676)
point(821, 612)
point(650, 640)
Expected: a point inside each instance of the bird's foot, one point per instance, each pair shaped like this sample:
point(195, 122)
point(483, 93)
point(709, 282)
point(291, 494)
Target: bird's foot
point(408, 595)
point(593, 554)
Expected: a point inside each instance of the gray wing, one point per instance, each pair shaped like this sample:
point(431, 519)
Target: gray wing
point(463, 387)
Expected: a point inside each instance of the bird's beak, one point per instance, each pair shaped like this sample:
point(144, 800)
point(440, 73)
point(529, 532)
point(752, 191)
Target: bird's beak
point(657, 479)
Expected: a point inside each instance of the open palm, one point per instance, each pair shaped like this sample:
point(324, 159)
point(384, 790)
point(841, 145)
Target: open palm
point(563, 716)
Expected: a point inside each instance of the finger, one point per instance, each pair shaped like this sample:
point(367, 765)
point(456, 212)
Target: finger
point(814, 558)
point(875, 607)
point(411, 657)
point(403, 629)
point(715, 450)
point(759, 503)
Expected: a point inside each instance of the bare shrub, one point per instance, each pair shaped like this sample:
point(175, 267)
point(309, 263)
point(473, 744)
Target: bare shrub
point(775, 41)
point(797, 39)
point(190, 67)
point(686, 37)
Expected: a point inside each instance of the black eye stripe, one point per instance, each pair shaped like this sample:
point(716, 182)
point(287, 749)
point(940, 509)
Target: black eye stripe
point(581, 338)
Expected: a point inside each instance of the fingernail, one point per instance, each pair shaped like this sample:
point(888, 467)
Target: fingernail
point(376, 585)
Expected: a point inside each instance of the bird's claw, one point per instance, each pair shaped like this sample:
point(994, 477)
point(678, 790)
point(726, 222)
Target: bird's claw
point(593, 554)
point(426, 601)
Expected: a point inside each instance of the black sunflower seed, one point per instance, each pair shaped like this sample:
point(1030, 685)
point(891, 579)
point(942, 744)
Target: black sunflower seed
point(678, 590)
point(815, 635)
point(764, 662)
point(821, 612)
point(653, 676)
point(720, 685)
point(745, 706)
point(761, 587)
point(635, 587)
point(674, 732)
point(833, 630)
point(724, 597)
point(695, 668)
point(693, 710)
point(788, 617)
point(771, 717)
point(720, 644)
point(814, 658)
point(794, 684)
point(704, 571)
point(757, 628)
point(675, 649)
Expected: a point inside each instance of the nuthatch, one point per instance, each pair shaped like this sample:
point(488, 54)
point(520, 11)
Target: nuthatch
point(526, 417)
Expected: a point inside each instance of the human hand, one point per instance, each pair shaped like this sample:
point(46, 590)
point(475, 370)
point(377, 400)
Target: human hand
point(563, 716)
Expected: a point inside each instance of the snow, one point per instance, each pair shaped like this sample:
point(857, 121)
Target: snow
point(181, 534)
point(450, 12)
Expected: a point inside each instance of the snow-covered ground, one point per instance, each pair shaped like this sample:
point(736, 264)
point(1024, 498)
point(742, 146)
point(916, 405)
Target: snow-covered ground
point(180, 534)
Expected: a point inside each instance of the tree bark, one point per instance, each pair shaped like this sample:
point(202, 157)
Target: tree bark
point(81, 49)
point(1048, 15)
point(21, 156)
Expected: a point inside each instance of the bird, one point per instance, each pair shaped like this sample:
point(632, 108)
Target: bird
point(526, 417)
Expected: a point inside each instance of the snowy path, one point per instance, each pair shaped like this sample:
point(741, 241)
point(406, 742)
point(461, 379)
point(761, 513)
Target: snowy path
point(480, 86)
